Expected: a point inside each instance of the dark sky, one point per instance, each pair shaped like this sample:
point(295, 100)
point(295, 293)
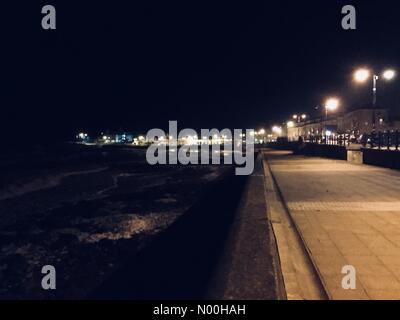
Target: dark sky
point(137, 64)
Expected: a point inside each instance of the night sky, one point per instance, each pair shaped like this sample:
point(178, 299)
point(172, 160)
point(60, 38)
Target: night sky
point(134, 65)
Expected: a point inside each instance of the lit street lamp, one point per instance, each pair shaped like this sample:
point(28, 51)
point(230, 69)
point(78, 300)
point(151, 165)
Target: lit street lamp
point(362, 75)
point(299, 117)
point(277, 130)
point(290, 124)
point(389, 74)
point(331, 105)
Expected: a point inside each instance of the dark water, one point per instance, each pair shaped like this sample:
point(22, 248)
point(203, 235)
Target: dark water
point(93, 212)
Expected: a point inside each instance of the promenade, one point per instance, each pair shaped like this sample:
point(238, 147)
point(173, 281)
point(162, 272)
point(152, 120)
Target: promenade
point(345, 214)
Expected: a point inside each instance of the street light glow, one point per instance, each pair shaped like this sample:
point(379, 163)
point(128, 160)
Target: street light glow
point(290, 124)
point(389, 74)
point(332, 104)
point(277, 130)
point(361, 75)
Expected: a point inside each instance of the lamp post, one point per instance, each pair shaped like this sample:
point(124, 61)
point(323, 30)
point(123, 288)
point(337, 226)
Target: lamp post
point(362, 75)
point(330, 105)
point(300, 117)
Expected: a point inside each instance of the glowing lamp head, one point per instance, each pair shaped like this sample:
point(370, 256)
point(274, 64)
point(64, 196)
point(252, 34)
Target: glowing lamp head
point(332, 104)
point(290, 124)
point(277, 130)
point(361, 75)
point(389, 74)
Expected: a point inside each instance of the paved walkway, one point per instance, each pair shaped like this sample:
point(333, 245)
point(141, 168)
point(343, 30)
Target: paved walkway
point(346, 215)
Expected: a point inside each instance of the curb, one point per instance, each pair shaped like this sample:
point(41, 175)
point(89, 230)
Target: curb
point(298, 232)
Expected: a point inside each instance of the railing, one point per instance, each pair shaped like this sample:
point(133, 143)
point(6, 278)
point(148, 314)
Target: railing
point(389, 140)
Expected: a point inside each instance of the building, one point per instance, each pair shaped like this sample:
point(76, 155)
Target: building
point(356, 123)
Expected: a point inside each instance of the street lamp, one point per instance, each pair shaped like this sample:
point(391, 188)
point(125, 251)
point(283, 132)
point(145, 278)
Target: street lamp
point(362, 75)
point(277, 130)
point(290, 124)
point(331, 105)
point(389, 74)
point(298, 118)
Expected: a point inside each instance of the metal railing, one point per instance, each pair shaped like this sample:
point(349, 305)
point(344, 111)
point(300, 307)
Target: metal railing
point(389, 140)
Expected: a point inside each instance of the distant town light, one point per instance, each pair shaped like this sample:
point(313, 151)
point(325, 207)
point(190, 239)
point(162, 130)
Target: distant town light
point(82, 135)
point(361, 75)
point(191, 140)
point(295, 116)
point(303, 116)
point(262, 131)
point(277, 130)
point(389, 74)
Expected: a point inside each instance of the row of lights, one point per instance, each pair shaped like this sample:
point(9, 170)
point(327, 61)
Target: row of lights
point(361, 76)
point(331, 104)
